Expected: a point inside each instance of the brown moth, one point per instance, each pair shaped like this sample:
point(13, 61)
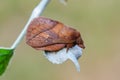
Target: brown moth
point(51, 35)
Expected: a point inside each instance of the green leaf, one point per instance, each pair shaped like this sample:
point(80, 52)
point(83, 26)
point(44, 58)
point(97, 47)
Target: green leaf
point(5, 56)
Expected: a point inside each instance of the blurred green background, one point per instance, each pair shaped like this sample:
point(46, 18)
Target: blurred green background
point(99, 24)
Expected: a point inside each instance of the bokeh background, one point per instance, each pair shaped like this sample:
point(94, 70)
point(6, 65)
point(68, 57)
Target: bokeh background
point(97, 20)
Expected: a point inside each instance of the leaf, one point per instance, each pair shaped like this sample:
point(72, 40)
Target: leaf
point(5, 56)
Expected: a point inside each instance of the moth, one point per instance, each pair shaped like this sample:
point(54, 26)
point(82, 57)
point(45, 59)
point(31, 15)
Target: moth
point(58, 41)
point(51, 35)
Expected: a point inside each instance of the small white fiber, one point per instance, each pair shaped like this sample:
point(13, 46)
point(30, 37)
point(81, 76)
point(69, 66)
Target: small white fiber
point(61, 56)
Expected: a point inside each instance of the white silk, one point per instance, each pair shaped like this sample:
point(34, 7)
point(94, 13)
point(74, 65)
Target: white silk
point(62, 55)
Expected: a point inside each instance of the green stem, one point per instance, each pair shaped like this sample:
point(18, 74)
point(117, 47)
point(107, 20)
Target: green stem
point(36, 12)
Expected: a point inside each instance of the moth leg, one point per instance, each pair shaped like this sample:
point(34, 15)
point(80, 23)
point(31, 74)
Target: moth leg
point(69, 46)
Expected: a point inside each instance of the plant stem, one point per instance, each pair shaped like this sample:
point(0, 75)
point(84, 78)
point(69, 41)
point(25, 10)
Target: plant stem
point(36, 12)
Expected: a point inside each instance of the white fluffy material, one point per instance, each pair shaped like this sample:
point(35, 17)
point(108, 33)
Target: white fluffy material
point(62, 55)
